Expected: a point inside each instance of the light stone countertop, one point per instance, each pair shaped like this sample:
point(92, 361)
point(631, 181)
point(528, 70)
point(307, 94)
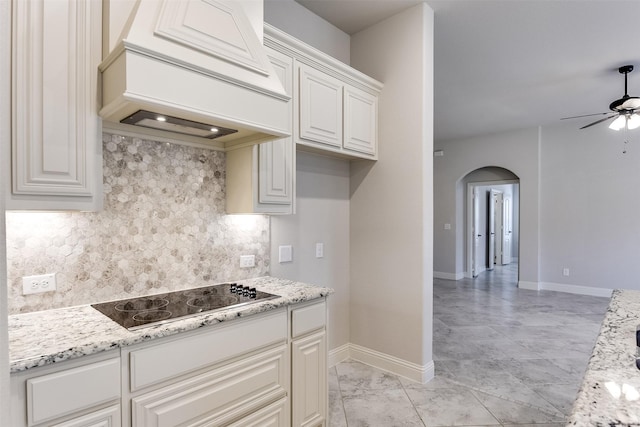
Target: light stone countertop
point(610, 391)
point(46, 337)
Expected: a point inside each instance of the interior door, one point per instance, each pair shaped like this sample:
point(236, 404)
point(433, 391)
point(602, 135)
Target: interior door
point(491, 226)
point(507, 225)
point(476, 233)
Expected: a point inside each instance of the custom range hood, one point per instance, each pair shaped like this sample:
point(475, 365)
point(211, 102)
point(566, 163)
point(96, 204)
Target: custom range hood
point(195, 68)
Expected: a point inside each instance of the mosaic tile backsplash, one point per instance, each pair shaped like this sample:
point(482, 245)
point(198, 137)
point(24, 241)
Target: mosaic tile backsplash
point(163, 228)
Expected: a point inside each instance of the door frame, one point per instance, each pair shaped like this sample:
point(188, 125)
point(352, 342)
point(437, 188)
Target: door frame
point(469, 238)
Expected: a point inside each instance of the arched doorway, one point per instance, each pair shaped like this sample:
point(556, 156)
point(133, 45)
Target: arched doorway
point(490, 213)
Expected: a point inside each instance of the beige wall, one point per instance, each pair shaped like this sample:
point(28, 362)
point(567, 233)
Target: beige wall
point(391, 200)
point(322, 217)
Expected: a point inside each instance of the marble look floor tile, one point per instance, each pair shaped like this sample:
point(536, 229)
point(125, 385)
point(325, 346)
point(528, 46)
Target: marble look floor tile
point(498, 349)
point(535, 425)
point(561, 396)
point(356, 376)
point(508, 412)
point(537, 371)
point(449, 407)
point(479, 372)
point(524, 354)
point(455, 350)
point(337, 417)
point(520, 393)
point(387, 407)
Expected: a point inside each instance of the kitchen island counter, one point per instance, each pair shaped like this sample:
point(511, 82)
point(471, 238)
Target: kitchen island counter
point(610, 391)
point(46, 337)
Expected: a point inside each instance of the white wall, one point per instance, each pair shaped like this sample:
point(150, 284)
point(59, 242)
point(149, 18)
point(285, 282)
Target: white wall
point(301, 23)
point(590, 207)
point(391, 200)
point(322, 215)
point(518, 152)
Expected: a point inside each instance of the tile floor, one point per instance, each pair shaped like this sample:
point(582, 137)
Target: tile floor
point(503, 356)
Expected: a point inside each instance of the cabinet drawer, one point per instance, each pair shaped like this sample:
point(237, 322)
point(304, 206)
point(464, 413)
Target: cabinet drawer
point(307, 319)
point(162, 362)
point(108, 417)
point(217, 397)
point(54, 395)
point(274, 415)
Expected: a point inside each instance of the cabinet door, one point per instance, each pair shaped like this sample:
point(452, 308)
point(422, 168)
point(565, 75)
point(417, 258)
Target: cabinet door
point(309, 380)
point(108, 417)
point(275, 172)
point(276, 159)
point(360, 121)
point(56, 141)
point(320, 107)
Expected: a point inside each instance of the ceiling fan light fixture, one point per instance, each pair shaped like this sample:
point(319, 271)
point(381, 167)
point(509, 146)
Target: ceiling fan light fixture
point(633, 121)
point(618, 123)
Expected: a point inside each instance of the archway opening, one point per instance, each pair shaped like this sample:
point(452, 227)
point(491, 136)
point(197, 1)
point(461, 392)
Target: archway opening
point(489, 207)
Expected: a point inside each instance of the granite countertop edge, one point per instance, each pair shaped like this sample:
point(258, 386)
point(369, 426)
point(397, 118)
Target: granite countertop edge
point(52, 336)
point(610, 390)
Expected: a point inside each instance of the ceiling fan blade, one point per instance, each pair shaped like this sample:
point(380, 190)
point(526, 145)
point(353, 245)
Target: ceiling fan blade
point(599, 121)
point(586, 115)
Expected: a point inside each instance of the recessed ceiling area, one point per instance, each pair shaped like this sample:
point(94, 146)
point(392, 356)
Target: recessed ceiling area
point(510, 64)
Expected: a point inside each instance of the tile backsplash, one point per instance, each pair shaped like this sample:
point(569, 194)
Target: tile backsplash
point(163, 228)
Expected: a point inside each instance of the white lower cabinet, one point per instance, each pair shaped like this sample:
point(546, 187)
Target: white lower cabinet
point(309, 405)
point(85, 392)
point(266, 370)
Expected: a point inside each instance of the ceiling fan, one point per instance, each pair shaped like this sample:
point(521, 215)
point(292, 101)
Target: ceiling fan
point(626, 110)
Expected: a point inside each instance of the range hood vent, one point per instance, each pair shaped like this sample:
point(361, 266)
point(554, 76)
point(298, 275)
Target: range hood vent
point(199, 64)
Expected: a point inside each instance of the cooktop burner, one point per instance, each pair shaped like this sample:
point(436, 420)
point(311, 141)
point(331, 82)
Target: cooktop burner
point(134, 313)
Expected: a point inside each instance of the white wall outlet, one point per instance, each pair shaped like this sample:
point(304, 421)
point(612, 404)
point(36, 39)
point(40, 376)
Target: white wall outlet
point(447, 226)
point(319, 250)
point(38, 284)
point(285, 253)
point(565, 271)
point(247, 261)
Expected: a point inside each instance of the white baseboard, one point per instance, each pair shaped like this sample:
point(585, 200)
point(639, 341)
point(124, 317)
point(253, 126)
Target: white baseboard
point(563, 287)
point(531, 286)
point(385, 362)
point(338, 355)
point(576, 289)
point(448, 276)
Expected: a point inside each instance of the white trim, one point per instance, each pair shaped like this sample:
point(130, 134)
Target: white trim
point(448, 276)
point(532, 286)
point(576, 289)
point(338, 355)
point(385, 362)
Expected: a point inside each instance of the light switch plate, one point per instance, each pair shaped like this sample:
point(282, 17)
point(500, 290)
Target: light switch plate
point(285, 253)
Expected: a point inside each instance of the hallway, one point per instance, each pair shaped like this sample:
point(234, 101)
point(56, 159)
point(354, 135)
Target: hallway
point(503, 356)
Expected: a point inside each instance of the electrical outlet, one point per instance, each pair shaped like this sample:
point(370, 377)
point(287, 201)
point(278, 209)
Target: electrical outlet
point(38, 284)
point(247, 261)
point(565, 271)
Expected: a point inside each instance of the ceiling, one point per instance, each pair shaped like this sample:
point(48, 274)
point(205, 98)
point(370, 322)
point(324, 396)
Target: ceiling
point(510, 64)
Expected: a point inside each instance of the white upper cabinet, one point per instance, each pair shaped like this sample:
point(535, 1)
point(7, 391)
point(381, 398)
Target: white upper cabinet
point(56, 133)
point(335, 106)
point(360, 121)
point(261, 178)
point(320, 107)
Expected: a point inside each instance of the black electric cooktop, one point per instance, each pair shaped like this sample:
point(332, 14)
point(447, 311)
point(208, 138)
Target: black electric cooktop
point(134, 313)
